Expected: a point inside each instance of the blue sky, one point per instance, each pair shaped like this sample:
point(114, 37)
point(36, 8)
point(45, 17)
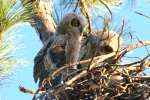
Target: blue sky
point(139, 25)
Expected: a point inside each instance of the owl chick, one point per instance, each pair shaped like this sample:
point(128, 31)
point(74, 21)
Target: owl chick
point(103, 43)
point(69, 33)
point(63, 47)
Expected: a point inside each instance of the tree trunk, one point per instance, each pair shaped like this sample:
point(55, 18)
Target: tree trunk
point(44, 23)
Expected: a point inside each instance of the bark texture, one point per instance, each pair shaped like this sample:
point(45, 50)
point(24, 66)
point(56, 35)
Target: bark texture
point(44, 23)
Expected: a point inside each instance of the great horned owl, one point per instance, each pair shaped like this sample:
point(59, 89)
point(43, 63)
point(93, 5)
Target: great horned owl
point(103, 42)
point(63, 47)
point(69, 33)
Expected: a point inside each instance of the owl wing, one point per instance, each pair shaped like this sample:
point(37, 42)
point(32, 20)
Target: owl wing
point(46, 58)
point(39, 70)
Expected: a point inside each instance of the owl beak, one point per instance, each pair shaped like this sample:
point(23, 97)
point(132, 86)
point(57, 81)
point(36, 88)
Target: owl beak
point(81, 29)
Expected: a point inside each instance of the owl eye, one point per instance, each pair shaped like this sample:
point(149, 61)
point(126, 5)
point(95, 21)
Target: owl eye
point(75, 22)
point(107, 49)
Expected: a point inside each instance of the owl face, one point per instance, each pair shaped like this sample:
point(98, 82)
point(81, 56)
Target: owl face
point(71, 24)
point(109, 42)
point(103, 43)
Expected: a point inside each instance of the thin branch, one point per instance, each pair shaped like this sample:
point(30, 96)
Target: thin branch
point(132, 47)
point(107, 8)
point(29, 91)
point(84, 9)
point(81, 74)
point(139, 13)
point(92, 58)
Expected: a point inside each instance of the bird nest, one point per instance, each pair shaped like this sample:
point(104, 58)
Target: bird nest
point(98, 80)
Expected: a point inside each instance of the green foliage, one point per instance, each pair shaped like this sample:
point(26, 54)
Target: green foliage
point(12, 15)
point(91, 3)
point(7, 61)
point(101, 2)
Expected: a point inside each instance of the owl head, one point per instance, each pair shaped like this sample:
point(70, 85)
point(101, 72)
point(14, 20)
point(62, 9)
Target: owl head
point(72, 24)
point(103, 42)
point(109, 42)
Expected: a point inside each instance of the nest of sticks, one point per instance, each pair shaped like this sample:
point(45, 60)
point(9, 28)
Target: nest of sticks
point(99, 80)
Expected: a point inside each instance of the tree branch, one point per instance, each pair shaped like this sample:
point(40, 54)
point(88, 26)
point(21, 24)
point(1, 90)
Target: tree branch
point(44, 23)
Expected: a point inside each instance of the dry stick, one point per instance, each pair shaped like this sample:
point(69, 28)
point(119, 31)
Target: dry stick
point(130, 64)
point(135, 66)
point(77, 4)
point(29, 91)
point(119, 37)
point(132, 47)
point(92, 58)
point(107, 8)
point(103, 57)
point(81, 74)
point(142, 14)
point(143, 77)
point(68, 83)
point(145, 46)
